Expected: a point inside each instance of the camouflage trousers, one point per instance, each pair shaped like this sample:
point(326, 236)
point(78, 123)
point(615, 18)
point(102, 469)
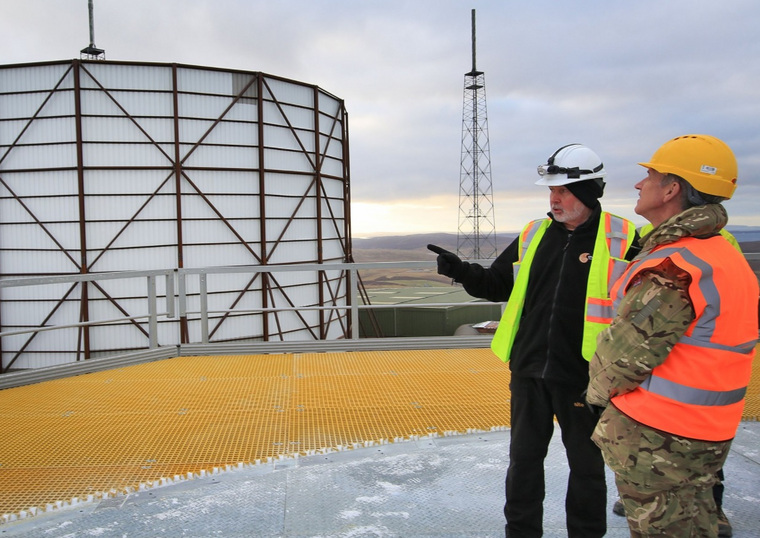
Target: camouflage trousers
point(665, 481)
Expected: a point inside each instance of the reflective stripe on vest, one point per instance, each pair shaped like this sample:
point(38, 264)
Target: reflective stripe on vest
point(614, 235)
point(690, 395)
point(698, 391)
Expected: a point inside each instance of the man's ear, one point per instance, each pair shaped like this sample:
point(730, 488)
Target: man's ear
point(671, 192)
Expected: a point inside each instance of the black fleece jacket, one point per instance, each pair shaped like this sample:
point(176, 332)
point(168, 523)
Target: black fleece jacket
point(549, 339)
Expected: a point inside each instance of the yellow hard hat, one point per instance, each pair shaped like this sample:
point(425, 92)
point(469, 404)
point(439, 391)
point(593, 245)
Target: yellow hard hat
point(706, 162)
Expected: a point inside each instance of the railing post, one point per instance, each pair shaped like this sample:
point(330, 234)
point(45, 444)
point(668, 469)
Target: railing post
point(204, 307)
point(182, 327)
point(354, 298)
point(152, 313)
point(170, 294)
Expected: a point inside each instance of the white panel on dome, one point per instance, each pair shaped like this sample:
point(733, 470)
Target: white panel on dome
point(333, 250)
point(331, 232)
point(245, 110)
point(331, 147)
point(124, 130)
point(38, 261)
point(203, 106)
point(139, 259)
point(44, 131)
point(126, 182)
point(191, 131)
point(220, 254)
point(33, 236)
point(306, 250)
point(41, 183)
point(332, 167)
point(288, 184)
point(98, 103)
point(227, 182)
point(222, 157)
point(214, 231)
point(286, 115)
point(295, 161)
point(233, 133)
point(136, 236)
point(334, 188)
point(12, 295)
point(10, 130)
point(116, 337)
point(126, 77)
point(204, 81)
point(235, 328)
point(288, 92)
point(124, 155)
point(133, 288)
point(39, 104)
point(138, 104)
point(328, 105)
point(279, 207)
point(35, 157)
point(47, 209)
point(286, 138)
point(35, 78)
point(121, 103)
point(236, 208)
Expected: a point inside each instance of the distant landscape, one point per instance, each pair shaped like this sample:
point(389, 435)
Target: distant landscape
point(407, 248)
point(414, 248)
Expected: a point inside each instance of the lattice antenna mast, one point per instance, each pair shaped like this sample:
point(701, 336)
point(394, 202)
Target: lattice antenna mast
point(91, 52)
point(476, 236)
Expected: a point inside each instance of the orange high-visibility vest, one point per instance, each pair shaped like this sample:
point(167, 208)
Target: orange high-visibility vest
point(698, 391)
point(613, 239)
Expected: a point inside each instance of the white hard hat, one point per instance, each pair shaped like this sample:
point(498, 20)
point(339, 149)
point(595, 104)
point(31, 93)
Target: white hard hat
point(570, 164)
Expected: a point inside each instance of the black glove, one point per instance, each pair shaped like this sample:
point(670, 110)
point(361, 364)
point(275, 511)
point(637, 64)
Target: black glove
point(595, 409)
point(449, 263)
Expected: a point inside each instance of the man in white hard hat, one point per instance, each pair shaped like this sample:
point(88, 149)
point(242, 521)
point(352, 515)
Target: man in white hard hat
point(555, 278)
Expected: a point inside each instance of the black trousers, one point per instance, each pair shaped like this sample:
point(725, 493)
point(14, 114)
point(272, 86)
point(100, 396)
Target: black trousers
point(534, 404)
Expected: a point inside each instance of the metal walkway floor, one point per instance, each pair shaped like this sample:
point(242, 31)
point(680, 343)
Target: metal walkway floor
point(359, 444)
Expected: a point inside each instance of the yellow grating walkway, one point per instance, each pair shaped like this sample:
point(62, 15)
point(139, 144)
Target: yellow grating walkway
point(100, 434)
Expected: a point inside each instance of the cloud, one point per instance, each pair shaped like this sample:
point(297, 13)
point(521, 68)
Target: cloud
point(621, 77)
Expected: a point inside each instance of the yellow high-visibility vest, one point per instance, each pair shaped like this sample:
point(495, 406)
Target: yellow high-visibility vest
point(613, 238)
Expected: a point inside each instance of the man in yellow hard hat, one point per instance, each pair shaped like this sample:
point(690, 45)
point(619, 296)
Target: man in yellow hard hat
point(672, 369)
point(724, 525)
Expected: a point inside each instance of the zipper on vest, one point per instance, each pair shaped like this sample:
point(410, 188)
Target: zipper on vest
point(554, 303)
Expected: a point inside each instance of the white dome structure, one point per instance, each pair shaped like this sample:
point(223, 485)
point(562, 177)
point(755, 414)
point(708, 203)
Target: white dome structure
point(120, 166)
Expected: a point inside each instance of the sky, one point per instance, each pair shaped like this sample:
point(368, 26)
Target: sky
point(621, 77)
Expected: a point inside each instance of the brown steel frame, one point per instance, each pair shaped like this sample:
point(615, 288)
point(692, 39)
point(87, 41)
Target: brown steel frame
point(330, 292)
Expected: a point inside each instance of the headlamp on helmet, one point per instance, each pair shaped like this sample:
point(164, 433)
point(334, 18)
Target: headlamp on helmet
point(571, 164)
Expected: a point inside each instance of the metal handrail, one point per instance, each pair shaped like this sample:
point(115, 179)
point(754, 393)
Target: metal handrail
point(176, 301)
point(352, 268)
point(178, 279)
point(151, 316)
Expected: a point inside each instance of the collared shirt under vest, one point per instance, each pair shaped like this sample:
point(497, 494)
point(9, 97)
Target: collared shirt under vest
point(698, 391)
point(613, 239)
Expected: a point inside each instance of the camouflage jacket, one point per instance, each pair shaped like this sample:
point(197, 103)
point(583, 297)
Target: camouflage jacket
point(639, 338)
